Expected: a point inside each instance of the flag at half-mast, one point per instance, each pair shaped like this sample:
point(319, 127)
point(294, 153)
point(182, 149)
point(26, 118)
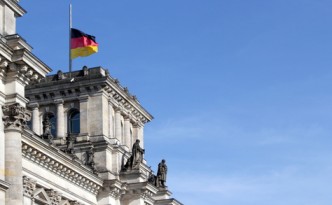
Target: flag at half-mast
point(82, 44)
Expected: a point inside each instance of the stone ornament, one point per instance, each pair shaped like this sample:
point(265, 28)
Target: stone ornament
point(29, 186)
point(60, 75)
point(54, 196)
point(70, 140)
point(47, 135)
point(15, 116)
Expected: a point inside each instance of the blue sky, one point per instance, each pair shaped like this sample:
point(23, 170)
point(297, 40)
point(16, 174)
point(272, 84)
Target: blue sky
point(240, 89)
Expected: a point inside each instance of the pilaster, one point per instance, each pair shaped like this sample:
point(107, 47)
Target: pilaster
point(84, 119)
point(9, 11)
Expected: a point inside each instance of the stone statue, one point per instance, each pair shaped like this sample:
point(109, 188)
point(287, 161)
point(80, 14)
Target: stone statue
point(89, 158)
point(70, 140)
point(137, 154)
point(136, 157)
point(47, 135)
point(161, 174)
point(60, 75)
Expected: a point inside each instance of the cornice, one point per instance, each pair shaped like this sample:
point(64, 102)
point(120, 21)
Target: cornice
point(51, 158)
point(24, 56)
point(171, 201)
point(17, 71)
point(16, 96)
point(15, 41)
point(126, 100)
point(19, 11)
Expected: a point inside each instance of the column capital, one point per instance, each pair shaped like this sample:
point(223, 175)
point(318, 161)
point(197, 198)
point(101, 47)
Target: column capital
point(112, 101)
point(126, 117)
point(118, 109)
point(138, 124)
point(33, 105)
point(15, 116)
point(58, 101)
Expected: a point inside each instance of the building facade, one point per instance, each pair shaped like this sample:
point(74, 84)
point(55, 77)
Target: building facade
point(69, 138)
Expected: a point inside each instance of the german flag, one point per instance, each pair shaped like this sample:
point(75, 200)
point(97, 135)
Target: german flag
point(82, 44)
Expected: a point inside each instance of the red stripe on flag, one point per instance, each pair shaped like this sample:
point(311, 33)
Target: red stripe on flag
point(82, 42)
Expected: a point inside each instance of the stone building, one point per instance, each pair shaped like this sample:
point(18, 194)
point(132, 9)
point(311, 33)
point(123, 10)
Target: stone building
point(68, 139)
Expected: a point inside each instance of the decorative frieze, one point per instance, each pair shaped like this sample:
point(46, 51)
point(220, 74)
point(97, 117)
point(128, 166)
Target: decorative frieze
point(15, 116)
point(59, 168)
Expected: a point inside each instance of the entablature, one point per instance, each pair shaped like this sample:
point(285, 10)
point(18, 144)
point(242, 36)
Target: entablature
point(88, 82)
point(53, 159)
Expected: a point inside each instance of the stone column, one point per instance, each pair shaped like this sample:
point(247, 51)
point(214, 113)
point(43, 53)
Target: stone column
point(35, 118)
point(14, 119)
point(84, 118)
point(126, 134)
point(60, 124)
point(118, 130)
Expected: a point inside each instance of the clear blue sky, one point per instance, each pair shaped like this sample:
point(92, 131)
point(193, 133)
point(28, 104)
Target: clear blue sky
point(240, 89)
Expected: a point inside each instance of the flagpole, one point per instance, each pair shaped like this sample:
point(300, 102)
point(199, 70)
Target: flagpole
point(70, 26)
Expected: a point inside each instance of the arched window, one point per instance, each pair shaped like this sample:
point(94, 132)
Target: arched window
point(29, 124)
point(52, 120)
point(74, 122)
